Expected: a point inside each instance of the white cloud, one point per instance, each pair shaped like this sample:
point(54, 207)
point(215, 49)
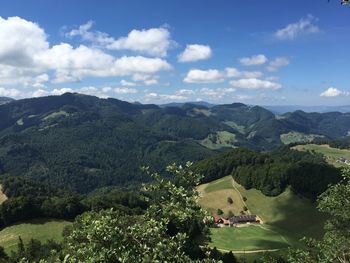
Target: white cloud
point(164, 97)
point(216, 92)
point(40, 93)
point(254, 60)
point(185, 92)
point(131, 65)
point(306, 25)
point(106, 89)
point(195, 52)
point(235, 73)
point(20, 41)
point(333, 92)
point(26, 58)
point(154, 41)
point(277, 63)
point(96, 37)
point(126, 83)
point(149, 82)
point(61, 91)
point(125, 90)
point(240, 97)
point(13, 93)
point(255, 84)
point(204, 76)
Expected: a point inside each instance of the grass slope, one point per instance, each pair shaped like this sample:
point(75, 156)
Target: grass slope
point(247, 238)
point(332, 155)
point(41, 229)
point(3, 197)
point(219, 140)
point(292, 137)
point(287, 217)
point(214, 195)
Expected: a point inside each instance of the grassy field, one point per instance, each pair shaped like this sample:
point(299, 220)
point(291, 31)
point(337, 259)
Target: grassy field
point(287, 218)
point(293, 137)
point(41, 229)
point(215, 194)
point(3, 197)
point(331, 154)
point(247, 238)
point(219, 140)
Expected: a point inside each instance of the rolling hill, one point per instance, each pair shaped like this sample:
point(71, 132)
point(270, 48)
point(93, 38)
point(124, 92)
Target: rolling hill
point(286, 217)
point(83, 142)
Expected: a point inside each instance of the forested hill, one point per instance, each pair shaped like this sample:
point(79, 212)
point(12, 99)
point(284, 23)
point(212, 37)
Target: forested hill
point(4, 100)
point(306, 173)
point(82, 142)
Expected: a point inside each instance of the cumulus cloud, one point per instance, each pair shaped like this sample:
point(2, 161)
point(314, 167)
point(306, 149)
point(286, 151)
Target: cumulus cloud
point(88, 90)
point(153, 96)
point(153, 41)
point(25, 54)
point(13, 93)
point(126, 83)
point(185, 92)
point(253, 60)
point(195, 52)
point(96, 37)
point(20, 41)
point(306, 25)
point(125, 90)
point(216, 92)
point(204, 76)
point(254, 83)
point(334, 92)
point(278, 63)
point(235, 73)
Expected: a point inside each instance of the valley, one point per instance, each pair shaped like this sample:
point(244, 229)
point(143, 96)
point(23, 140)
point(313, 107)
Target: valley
point(286, 218)
point(82, 155)
point(334, 156)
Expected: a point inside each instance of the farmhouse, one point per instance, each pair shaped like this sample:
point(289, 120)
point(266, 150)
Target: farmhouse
point(242, 219)
point(218, 219)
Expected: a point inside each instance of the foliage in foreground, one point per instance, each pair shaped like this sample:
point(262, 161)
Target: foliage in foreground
point(335, 245)
point(173, 228)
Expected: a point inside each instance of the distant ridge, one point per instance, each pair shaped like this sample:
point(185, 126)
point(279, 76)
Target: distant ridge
point(320, 109)
point(180, 104)
point(276, 109)
point(4, 100)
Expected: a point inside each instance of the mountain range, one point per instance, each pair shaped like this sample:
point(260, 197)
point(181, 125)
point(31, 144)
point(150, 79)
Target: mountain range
point(82, 142)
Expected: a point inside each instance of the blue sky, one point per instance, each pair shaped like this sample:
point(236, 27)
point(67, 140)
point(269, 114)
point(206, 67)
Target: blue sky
point(277, 52)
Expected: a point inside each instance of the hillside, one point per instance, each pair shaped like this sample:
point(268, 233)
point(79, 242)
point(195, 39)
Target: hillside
point(82, 142)
point(40, 229)
point(4, 100)
point(286, 218)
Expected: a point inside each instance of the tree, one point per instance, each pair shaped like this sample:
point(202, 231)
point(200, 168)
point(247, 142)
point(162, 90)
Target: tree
point(335, 245)
point(229, 200)
point(170, 229)
point(220, 212)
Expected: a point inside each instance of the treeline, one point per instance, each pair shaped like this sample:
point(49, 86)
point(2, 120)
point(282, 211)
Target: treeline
point(29, 199)
point(307, 173)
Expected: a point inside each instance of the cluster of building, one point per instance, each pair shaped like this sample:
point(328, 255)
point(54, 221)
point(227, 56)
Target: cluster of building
point(343, 160)
point(235, 220)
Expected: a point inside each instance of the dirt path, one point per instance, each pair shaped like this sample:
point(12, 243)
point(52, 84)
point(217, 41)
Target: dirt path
point(240, 196)
point(245, 204)
point(250, 251)
point(3, 197)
